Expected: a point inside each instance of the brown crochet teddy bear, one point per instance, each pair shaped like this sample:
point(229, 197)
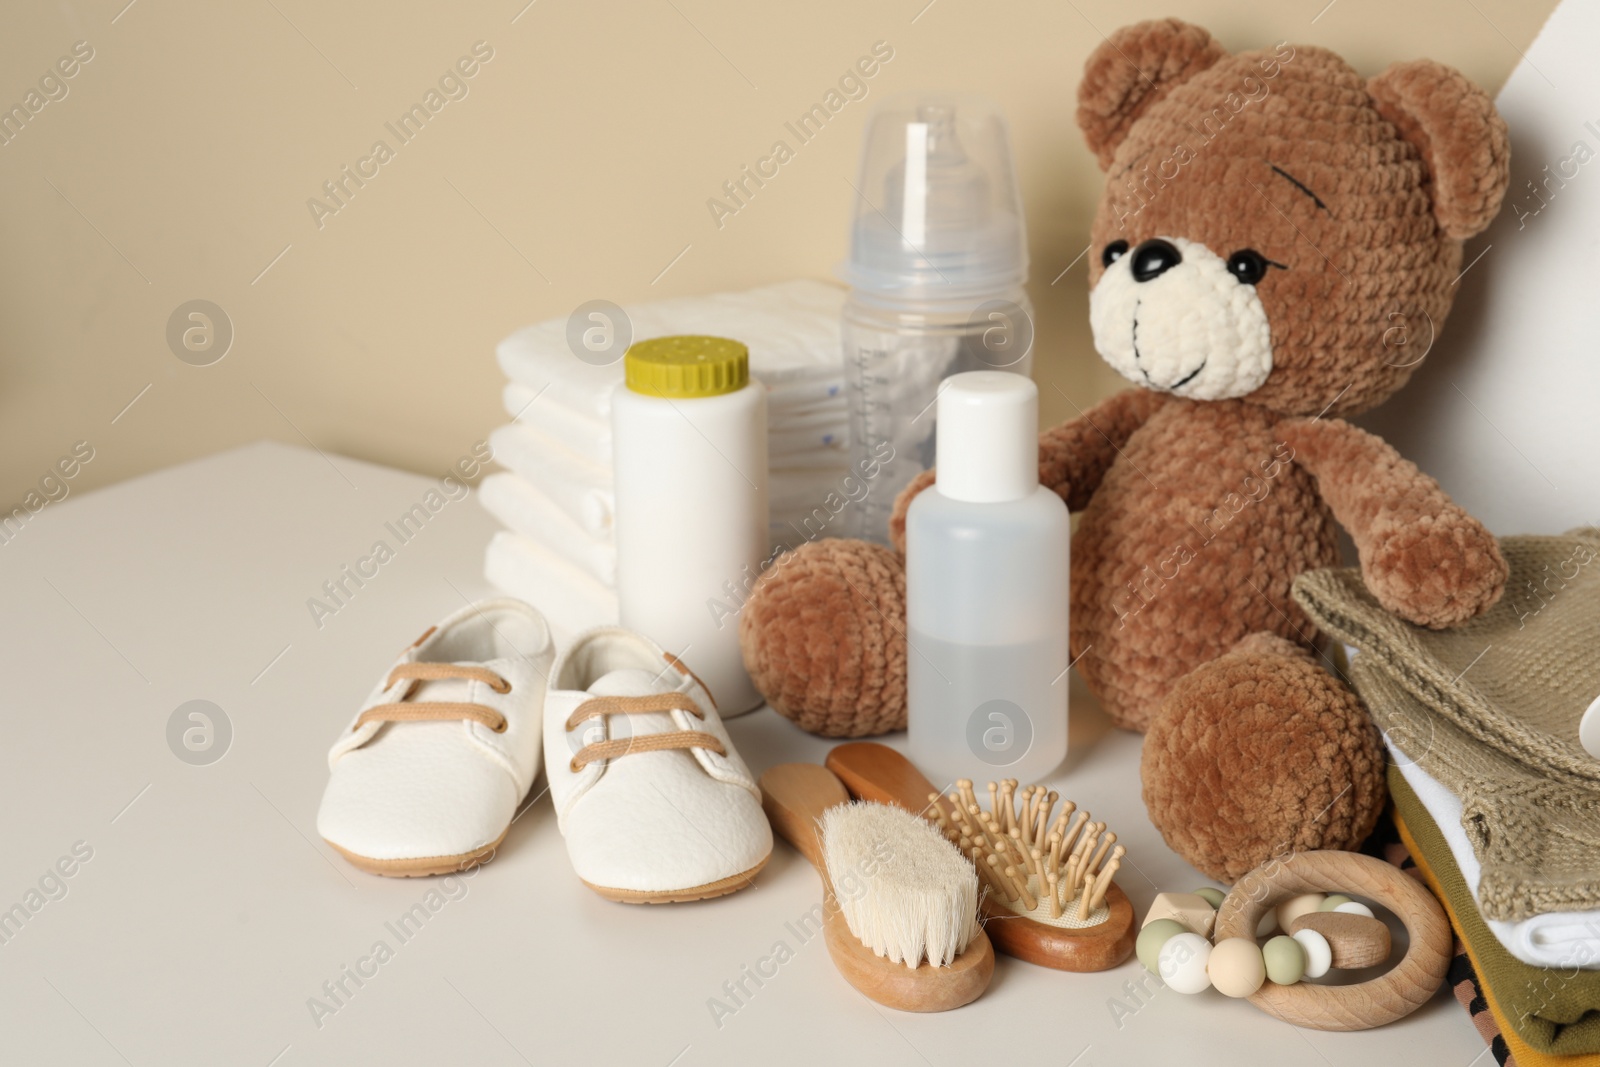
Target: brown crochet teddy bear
point(1274, 226)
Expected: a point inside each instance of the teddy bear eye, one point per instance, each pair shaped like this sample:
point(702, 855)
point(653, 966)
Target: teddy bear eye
point(1248, 265)
point(1113, 252)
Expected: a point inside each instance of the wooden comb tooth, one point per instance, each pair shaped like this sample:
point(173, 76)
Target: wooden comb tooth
point(1070, 838)
point(1083, 904)
point(1021, 881)
point(1008, 888)
point(1060, 825)
point(1102, 884)
point(1105, 846)
point(1044, 817)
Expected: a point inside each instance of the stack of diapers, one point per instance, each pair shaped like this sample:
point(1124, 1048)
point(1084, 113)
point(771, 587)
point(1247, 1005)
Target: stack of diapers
point(555, 497)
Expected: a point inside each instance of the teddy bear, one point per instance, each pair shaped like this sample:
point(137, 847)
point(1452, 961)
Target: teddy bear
point(1276, 238)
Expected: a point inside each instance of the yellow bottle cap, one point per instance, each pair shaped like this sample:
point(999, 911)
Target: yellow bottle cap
point(685, 367)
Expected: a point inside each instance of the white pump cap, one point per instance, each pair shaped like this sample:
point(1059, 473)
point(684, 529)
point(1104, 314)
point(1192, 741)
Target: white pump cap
point(987, 437)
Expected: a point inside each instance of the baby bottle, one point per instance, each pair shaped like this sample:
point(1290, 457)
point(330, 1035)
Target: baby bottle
point(937, 263)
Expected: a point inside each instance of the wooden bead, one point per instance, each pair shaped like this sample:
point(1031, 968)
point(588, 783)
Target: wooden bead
point(1194, 912)
point(1356, 940)
point(1296, 906)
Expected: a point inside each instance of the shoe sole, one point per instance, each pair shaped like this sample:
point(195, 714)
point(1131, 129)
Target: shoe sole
point(720, 888)
point(422, 866)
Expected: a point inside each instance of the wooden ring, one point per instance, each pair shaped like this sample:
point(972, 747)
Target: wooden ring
point(1393, 995)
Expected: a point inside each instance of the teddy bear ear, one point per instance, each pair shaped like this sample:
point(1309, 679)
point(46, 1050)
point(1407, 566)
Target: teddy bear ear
point(1461, 136)
point(1136, 66)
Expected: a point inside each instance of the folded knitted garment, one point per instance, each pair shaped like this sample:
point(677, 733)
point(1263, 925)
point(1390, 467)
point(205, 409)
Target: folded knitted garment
point(1556, 1011)
point(1563, 939)
point(1491, 710)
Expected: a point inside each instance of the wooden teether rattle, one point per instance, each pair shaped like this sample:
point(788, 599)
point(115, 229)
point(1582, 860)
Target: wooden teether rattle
point(1392, 995)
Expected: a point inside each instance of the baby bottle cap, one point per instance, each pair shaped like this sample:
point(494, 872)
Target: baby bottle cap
point(987, 437)
point(686, 367)
point(937, 211)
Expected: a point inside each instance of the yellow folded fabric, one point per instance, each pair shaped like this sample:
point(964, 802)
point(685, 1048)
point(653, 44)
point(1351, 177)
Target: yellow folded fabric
point(1522, 1053)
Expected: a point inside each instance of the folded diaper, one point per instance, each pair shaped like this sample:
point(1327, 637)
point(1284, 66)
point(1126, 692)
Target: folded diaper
point(571, 600)
point(791, 329)
point(559, 446)
point(529, 512)
point(580, 487)
point(589, 438)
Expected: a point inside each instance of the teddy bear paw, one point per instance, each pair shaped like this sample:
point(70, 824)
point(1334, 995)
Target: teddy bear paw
point(823, 637)
point(1259, 753)
point(1436, 571)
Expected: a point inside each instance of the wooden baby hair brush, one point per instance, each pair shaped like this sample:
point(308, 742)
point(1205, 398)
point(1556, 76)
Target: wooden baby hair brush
point(1048, 872)
point(900, 904)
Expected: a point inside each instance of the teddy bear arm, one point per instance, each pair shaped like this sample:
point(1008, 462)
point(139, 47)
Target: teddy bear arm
point(1075, 456)
point(1421, 554)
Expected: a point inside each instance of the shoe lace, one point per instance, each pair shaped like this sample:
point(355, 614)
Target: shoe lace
point(406, 710)
point(600, 707)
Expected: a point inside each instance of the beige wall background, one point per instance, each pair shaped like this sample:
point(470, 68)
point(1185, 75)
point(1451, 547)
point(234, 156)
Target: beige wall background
point(179, 162)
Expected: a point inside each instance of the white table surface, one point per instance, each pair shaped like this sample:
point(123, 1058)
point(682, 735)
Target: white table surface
point(210, 911)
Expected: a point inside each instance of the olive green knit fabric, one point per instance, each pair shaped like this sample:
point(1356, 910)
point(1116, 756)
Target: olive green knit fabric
point(1555, 1010)
point(1491, 709)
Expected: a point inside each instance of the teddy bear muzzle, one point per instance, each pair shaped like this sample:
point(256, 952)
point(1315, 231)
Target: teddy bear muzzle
point(1173, 316)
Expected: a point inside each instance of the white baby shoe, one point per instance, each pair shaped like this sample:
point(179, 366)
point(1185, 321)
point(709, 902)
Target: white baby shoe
point(428, 776)
point(654, 803)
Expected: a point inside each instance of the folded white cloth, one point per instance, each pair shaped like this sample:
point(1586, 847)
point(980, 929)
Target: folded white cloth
point(529, 512)
point(570, 600)
point(791, 329)
point(809, 435)
point(1556, 939)
point(580, 487)
point(588, 437)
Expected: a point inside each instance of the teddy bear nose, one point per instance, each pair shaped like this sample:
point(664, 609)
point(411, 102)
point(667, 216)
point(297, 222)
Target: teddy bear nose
point(1154, 258)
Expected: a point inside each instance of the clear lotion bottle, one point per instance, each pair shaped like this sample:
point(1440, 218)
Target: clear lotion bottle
point(987, 592)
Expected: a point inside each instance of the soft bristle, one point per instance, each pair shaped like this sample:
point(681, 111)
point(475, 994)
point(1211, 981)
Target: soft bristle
point(1057, 866)
point(905, 892)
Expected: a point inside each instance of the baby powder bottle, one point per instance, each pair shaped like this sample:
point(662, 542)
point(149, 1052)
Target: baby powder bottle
point(986, 592)
point(938, 258)
point(689, 433)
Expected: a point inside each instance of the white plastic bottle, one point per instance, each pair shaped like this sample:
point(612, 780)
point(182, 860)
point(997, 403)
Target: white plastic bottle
point(938, 258)
point(986, 592)
point(689, 440)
